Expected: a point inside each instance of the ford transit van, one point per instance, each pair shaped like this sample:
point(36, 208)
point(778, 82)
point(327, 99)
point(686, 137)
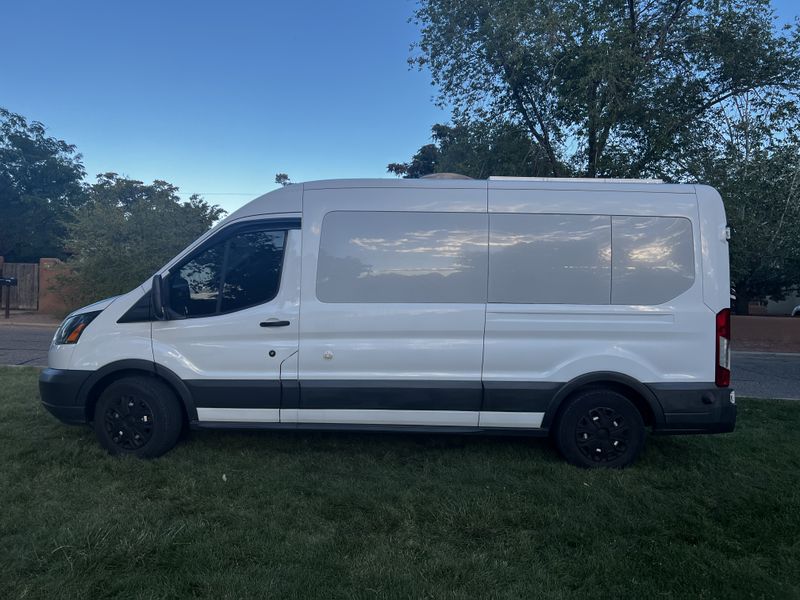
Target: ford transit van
point(590, 310)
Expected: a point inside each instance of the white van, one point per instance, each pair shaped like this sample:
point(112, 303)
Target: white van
point(589, 310)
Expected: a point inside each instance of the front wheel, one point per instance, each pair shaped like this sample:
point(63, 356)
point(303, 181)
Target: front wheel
point(138, 415)
point(600, 428)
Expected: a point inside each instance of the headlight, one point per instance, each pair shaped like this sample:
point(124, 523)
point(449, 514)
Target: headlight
point(72, 328)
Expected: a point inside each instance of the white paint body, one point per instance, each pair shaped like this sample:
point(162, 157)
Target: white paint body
point(480, 342)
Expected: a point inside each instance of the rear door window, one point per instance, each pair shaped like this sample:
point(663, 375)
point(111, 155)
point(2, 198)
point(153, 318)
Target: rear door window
point(653, 259)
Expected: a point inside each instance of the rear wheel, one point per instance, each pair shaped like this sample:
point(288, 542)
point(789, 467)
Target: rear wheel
point(138, 415)
point(600, 428)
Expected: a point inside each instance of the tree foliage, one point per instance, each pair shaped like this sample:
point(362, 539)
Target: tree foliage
point(603, 87)
point(477, 150)
point(752, 156)
point(283, 179)
point(127, 230)
point(40, 189)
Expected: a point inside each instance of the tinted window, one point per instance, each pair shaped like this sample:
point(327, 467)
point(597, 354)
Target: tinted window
point(246, 266)
point(194, 288)
point(402, 257)
point(653, 259)
point(252, 269)
point(550, 259)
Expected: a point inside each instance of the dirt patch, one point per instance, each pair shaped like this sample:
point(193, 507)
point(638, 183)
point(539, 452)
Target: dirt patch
point(765, 334)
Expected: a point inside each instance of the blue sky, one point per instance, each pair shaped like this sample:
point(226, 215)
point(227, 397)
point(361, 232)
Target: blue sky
point(216, 97)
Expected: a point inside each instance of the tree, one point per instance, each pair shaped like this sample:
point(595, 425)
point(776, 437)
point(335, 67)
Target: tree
point(752, 156)
point(40, 189)
point(477, 150)
point(424, 162)
point(127, 230)
point(283, 179)
point(602, 87)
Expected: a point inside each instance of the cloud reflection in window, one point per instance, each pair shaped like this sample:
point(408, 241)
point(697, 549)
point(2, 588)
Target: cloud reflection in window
point(653, 259)
point(402, 257)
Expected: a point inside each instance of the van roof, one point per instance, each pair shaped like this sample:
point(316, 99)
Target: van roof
point(288, 199)
point(628, 185)
point(573, 179)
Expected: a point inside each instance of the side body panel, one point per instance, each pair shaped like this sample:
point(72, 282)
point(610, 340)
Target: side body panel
point(420, 361)
point(530, 348)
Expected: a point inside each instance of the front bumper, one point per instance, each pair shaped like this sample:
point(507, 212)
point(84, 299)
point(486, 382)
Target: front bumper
point(60, 392)
point(701, 408)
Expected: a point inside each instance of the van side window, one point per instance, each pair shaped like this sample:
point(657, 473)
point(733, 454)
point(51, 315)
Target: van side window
point(252, 269)
point(549, 259)
point(239, 271)
point(194, 288)
point(402, 257)
point(653, 259)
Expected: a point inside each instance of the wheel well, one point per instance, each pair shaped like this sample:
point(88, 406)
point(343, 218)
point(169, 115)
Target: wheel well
point(102, 384)
point(639, 401)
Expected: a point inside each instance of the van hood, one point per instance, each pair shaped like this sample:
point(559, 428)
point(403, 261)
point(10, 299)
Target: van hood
point(100, 305)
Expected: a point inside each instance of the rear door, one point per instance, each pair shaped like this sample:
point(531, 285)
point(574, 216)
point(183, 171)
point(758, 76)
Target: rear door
point(234, 303)
point(589, 280)
point(393, 305)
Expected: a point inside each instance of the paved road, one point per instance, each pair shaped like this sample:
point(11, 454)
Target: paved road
point(766, 375)
point(755, 374)
point(24, 345)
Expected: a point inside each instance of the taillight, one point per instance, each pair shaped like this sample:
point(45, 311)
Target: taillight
point(722, 375)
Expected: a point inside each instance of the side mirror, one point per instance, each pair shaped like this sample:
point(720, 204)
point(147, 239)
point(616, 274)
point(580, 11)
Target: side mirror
point(157, 291)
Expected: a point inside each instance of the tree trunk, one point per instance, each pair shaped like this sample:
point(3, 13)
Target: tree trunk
point(742, 304)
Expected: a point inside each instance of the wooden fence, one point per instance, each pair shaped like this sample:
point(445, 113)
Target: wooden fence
point(25, 296)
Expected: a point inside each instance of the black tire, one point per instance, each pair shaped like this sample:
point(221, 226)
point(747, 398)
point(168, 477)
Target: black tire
point(600, 428)
point(138, 416)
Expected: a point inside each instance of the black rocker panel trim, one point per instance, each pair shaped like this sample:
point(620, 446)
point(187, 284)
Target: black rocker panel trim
point(518, 396)
point(320, 394)
point(388, 394)
point(677, 408)
point(290, 394)
point(227, 393)
point(391, 395)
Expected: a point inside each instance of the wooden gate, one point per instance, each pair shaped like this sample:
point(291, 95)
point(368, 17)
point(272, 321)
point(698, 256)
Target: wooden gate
point(25, 296)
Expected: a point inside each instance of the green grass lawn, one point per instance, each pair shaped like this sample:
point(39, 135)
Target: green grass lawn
point(335, 515)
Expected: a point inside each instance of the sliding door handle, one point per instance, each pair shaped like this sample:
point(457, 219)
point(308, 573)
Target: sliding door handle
point(274, 323)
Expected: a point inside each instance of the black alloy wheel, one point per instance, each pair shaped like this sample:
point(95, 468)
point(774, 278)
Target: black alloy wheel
point(138, 415)
point(600, 428)
point(128, 420)
point(602, 434)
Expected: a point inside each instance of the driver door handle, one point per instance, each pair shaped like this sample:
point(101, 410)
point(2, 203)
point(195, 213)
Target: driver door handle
point(274, 323)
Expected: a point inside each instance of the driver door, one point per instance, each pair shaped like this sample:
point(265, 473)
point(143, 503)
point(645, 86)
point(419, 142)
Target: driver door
point(233, 306)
